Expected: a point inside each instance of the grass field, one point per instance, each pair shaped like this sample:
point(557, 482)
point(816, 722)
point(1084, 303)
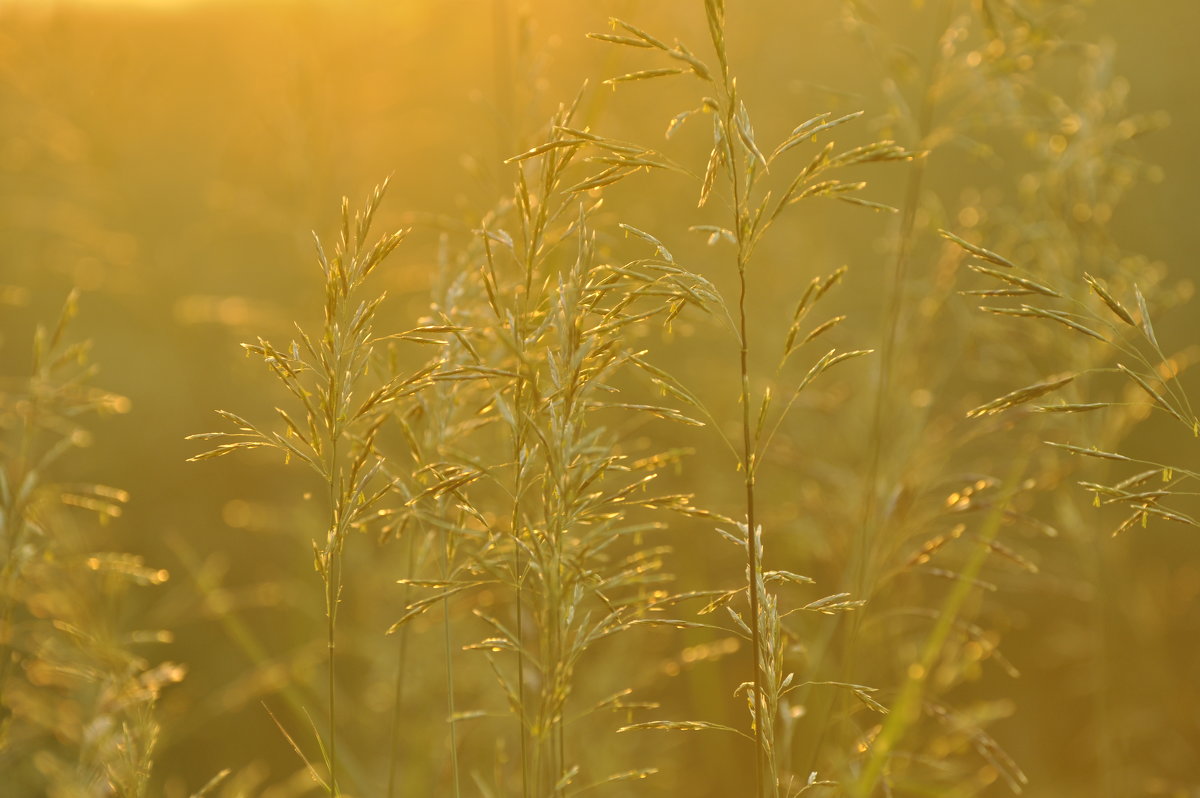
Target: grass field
point(688, 399)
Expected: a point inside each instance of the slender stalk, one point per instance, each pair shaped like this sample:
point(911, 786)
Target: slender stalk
point(748, 467)
point(907, 706)
point(449, 650)
point(749, 444)
point(296, 697)
point(1099, 563)
point(563, 432)
point(895, 309)
point(331, 599)
point(515, 526)
point(861, 574)
point(518, 567)
point(16, 502)
point(398, 694)
point(324, 374)
point(859, 583)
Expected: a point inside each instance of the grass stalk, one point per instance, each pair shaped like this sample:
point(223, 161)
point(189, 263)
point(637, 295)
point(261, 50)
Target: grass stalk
point(715, 12)
point(241, 635)
point(336, 437)
point(906, 708)
point(921, 124)
point(448, 648)
point(332, 577)
point(518, 434)
point(398, 684)
point(749, 446)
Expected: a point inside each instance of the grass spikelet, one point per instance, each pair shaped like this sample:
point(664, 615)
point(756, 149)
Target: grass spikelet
point(977, 251)
point(1021, 396)
point(1116, 307)
point(340, 444)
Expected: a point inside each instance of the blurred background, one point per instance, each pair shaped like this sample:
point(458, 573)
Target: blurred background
point(170, 160)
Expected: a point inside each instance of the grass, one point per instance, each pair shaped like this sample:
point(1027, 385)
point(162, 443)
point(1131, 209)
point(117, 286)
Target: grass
point(737, 161)
point(78, 712)
point(646, 458)
point(339, 417)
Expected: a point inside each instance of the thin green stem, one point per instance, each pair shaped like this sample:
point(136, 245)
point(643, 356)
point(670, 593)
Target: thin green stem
point(518, 565)
point(907, 707)
point(297, 698)
point(749, 445)
point(14, 534)
point(895, 308)
point(398, 694)
point(449, 651)
point(331, 598)
point(336, 327)
point(861, 575)
point(748, 467)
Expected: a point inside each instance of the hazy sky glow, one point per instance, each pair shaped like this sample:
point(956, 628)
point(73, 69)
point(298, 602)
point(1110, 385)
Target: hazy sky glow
point(50, 5)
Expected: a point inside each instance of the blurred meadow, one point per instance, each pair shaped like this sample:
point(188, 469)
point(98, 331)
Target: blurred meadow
point(570, 625)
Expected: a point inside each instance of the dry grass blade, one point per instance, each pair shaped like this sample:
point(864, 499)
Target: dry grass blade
point(638, 32)
point(1091, 452)
point(882, 207)
point(682, 725)
point(819, 330)
point(978, 251)
point(1020, 396)
point(1072, 407)
point(810, 129)
point(1159, 399)
point(212, 784)
point(1028, 286)
point(1144, 313)
point(1007, 553)
point(717, 158)
point(831, 605)
point(1029, 311)
point(308, 765)
point(1116, 307)
point(859, 691)
point(828, 361)
point(628, 775)
point(698, 67)
point(628, 41)
point(645, 74)
point(1169, 515)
